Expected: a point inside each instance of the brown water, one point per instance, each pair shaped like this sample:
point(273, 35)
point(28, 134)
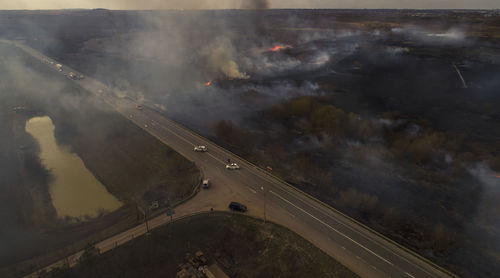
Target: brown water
point(75, 191)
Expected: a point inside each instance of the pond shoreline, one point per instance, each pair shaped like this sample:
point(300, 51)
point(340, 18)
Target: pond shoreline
point(74, 190)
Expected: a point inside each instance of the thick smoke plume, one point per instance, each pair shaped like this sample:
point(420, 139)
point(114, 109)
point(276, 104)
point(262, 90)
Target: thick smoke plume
point(255, 4)
point(220, 56)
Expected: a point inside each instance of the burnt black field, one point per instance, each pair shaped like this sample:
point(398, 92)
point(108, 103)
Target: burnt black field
point(362, 109)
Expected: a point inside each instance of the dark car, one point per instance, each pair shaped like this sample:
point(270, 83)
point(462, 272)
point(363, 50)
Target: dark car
point(237, 207)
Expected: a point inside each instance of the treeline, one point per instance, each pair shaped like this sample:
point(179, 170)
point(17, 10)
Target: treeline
point(310, 115)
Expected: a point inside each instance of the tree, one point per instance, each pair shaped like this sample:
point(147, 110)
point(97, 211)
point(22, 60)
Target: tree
point(328, 119)
point(241, 140)
point(302, 107)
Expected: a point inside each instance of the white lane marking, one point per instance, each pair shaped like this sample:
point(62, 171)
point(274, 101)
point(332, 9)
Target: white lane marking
point(253, 191)
point(185, 140)
point(365, 236)
point(332, 228)
point(216, 158)
point(348, 226)
point(409, 275)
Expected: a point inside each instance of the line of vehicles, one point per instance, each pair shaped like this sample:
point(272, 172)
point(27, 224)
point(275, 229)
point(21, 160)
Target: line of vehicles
point(59, 68)
point(75, 76)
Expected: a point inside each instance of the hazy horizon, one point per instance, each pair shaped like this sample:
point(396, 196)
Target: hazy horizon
point(231, 4)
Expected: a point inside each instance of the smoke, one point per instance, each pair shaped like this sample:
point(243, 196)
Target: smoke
point(257, 19)
point(254, 4)
point(454, 35)
point(220, 56)
point(397, 50)
point(489, 209)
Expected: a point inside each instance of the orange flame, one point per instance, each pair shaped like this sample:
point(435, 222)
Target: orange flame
point(279, 47)
point(208, 83)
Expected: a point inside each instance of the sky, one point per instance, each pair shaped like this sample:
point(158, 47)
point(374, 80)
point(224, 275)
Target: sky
point(234, 4)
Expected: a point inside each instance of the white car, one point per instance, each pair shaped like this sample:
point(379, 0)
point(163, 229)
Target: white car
point(232, 166)
point(200, 149)
point(206, 183)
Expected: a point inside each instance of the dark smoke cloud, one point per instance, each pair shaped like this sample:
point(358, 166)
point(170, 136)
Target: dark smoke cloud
point(254, 4)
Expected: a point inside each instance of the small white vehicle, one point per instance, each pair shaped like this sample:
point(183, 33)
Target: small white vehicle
point(200, 149)
point(205, 184)
point(232, 166)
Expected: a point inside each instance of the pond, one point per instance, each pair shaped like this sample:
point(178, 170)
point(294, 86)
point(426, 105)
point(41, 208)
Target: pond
point(74, 190)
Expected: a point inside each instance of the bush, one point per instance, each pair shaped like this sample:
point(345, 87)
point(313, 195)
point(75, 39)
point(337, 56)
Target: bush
point(231, 135)
point(495, 163)
point(328, 119)
point(302, 107)
point(352, 198)
point(443, 238)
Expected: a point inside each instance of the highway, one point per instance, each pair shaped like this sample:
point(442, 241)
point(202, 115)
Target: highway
point(354, 245)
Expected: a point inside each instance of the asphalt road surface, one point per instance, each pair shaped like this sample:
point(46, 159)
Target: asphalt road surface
point(356, 246)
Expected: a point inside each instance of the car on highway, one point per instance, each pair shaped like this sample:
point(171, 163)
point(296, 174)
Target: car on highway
point(232, 166)
point(235, 206)
point(75, 76)
point(139, 107)
point(200, 148)
point(205, 183)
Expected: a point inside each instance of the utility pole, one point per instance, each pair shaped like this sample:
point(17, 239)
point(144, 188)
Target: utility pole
point(145, 213)
point(147, 225)
point(263, 189)
point(137, 211)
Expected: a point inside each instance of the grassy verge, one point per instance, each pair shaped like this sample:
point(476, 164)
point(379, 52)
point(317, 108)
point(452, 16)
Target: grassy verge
point(240, 245)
